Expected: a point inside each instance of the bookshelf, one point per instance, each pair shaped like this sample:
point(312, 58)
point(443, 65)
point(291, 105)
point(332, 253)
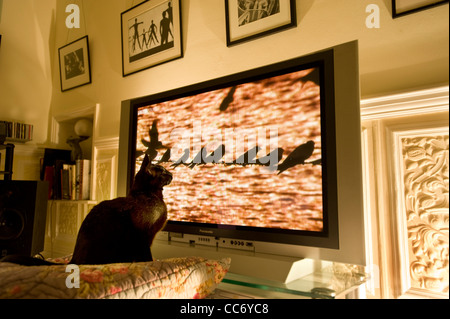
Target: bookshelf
point(66, 213)
point(71, 168)
point(16, 132)
point(68, 180)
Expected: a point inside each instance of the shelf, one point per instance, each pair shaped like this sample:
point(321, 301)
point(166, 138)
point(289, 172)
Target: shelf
point(16, 131)
point(17, 140)
point(331, 282)
point(74, 201)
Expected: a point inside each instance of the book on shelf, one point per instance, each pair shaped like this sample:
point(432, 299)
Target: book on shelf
point(69, 181)
point(18, 131)
point(83, 179)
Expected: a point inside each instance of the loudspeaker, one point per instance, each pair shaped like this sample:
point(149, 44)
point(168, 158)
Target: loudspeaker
point(23, 213)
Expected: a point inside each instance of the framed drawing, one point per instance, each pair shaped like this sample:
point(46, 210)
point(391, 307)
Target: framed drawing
point(249, 19)
point(151, 35)
point(74, 64)
point(404, 7)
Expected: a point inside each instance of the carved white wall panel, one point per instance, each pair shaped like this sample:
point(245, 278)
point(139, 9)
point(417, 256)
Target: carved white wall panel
point(103, 180)
point(64, 219)
point(417, 161)
point(104, 177)
point(67, 219)
point(424, 187)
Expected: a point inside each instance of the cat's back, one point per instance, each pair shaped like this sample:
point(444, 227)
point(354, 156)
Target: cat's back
point(107, 213)
point(107, 227)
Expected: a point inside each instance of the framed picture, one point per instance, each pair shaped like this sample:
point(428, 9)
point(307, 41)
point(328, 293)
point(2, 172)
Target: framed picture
point(249, 19)
point(151, 35)
point(74, 64)
point(404, 7)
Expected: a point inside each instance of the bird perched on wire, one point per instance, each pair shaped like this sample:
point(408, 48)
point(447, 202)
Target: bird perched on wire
point(298, 156)
point(271, 159)
point(199, 158)
point(248, 157)
point(166, 157)
point(182, 160)
point(216, 155)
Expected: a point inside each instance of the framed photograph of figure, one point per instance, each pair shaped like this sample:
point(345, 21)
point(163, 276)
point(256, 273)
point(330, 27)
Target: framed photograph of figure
point(404, 7)
point(250, 19)
point(74, 64)
point(151, 35)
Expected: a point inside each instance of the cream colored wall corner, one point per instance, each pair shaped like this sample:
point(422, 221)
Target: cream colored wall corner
point(402, 54)
point(26, 56)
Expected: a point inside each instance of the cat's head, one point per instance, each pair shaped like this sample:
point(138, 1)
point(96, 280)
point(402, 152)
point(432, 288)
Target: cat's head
point(151, 176)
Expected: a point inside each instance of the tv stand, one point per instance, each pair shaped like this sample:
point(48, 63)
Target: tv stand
point(271, 276)
point(328, 283)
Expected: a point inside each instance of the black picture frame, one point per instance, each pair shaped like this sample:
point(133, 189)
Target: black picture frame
point(163, 38)
point(245, 24)
point(74, 64)
point(399, 11)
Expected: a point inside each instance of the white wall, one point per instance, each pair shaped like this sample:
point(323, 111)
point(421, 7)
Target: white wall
point(26, 52)
point(405, 53)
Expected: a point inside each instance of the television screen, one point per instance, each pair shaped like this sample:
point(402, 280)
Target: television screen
point(252, 154)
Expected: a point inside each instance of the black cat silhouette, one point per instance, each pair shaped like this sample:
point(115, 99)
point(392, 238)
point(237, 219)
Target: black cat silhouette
point(122, 229)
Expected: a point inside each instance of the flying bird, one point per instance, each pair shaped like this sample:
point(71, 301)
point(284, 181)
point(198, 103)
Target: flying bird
point(182, 160)
point(227, 100)
point(154, 144)
point(298, 156)
point(245, 159)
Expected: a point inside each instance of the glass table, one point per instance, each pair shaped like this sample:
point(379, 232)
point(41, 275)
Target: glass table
point(334, 281)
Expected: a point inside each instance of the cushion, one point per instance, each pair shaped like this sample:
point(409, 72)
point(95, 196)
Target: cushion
point(181, 278)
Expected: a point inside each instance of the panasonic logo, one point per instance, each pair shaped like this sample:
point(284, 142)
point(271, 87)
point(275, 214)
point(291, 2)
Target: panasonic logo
point(206, 231)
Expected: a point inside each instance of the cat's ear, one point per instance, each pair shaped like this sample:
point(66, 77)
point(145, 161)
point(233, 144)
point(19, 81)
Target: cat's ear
point(145, 162)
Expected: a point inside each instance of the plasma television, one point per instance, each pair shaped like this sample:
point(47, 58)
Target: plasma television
point(266, 163)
